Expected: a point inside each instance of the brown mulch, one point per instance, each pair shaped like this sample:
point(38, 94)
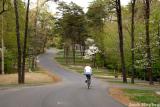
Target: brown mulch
point(53, 76)
point(39, 77)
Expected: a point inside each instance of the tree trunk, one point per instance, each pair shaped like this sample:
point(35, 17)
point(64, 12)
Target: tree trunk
point(18, 42)
point(2, 49)
point(36, 32)
point(25, 43)
point(36, 17)
point(67, 53)
point(94, 60)
point(2, 39)
point(33, 62)
point(0, 66)
point(159, 38)
point(84, 48)
point(132, 39)
point(74, 53)
point(81, 49)
point(120, 30)
point(149, 60)
point(45, 41)
point(64, 53)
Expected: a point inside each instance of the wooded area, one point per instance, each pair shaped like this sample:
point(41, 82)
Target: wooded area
point(125, 35)
point(109, 35)
point(23, 37)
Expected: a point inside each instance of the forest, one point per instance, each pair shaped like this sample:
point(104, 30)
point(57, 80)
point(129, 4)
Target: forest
point(108, 35)
point(126, 38)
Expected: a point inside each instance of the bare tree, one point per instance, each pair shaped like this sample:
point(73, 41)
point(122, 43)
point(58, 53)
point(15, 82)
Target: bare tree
point(120, 31)
point(132, 38)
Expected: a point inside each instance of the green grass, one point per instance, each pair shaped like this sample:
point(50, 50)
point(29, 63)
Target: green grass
point(143, 96)
point(79, 65)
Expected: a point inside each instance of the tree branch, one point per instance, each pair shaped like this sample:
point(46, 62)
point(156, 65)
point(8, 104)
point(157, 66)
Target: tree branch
point(3, 10)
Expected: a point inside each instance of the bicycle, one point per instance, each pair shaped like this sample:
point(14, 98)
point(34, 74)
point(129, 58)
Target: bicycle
point(88, 83)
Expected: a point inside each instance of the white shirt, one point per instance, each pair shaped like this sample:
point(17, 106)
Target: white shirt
point(87, 70)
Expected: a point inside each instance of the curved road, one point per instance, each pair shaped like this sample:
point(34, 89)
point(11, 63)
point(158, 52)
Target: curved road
point(71, 92)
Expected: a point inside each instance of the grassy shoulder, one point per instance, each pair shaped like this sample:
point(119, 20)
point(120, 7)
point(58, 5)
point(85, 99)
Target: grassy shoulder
point(139, 84)
point(104, 74)
point(31, 78)
point(135, 97)
point(79, 66)
point(124, 93)
point(142, 96)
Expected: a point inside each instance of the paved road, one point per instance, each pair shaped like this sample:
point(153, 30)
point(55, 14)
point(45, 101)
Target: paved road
point(71, 92)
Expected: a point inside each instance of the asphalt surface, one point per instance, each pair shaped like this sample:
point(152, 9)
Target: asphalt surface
point(71, 92)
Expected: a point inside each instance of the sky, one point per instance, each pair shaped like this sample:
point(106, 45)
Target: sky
point(82, 3)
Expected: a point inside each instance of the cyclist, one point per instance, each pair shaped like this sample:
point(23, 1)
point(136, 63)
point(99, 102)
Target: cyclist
point(88, 72)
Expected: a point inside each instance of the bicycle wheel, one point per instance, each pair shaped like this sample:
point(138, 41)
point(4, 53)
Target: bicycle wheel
point(88, 83)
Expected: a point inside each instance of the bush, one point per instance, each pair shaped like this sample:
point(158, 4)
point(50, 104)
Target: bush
point(99, 60)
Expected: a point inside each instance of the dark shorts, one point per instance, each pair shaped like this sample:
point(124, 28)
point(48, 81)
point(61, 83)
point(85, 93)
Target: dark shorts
point(88, 76)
